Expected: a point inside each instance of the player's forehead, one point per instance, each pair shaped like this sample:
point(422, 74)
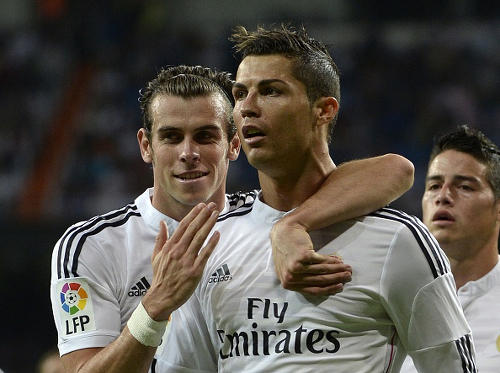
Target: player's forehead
point(274, 67)
point(455, 164)
point(188, 113)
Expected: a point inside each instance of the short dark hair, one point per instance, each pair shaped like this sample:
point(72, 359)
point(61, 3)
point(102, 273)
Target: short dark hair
point(311, 62)
point(188, 81)
point(475, 143)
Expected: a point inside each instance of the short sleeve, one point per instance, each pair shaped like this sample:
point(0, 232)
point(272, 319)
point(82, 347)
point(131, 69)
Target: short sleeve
point(86, 311)
point(420, 295)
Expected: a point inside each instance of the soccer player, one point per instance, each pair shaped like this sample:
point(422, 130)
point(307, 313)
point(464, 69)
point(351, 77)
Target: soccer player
point(402, 295)
point(110, 302)
point(461, 208)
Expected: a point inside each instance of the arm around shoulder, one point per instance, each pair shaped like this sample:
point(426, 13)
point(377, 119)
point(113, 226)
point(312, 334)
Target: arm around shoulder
point(353, 189)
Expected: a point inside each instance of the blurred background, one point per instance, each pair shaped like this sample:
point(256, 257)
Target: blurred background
point(70, 72)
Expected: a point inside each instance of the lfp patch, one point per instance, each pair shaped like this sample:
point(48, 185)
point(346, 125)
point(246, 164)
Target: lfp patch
point(73, 297)
point(76, 311)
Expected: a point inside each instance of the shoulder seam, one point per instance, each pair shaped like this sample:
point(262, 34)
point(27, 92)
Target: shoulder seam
point(427, 243)
point(241, 204)
point(88, 228)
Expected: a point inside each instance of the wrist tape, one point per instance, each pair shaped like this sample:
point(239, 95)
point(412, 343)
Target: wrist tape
point(146, 330)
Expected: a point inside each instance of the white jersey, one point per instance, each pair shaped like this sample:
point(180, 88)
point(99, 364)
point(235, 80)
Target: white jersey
point(101, 268)
point(481, 303)
point(401, 298)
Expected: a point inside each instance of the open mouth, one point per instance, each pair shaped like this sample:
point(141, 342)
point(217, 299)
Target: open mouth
point(251, 132)
point(442, 216)
point(186, 176)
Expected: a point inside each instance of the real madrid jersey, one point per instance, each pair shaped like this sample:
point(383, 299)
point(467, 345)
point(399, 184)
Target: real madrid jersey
point(401, 299)
point(480, 300)
point(100, 270)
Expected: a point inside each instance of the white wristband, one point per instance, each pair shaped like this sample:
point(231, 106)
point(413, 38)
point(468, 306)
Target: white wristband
point(146, 330)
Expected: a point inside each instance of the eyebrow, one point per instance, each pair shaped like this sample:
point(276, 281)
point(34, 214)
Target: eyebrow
point(202, 128)
point(261, 83)
point(210, 127)
point(167, 128)
point(471, 179)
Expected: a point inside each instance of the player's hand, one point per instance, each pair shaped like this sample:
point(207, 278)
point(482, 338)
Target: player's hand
point(178, 262)
point(300, 268)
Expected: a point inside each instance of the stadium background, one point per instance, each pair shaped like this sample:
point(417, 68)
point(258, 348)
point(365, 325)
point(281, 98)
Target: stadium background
point(70, 72)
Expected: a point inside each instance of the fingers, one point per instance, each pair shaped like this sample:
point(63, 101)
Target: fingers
point(160, 240)
point(192, 231)
point(178, 267)
point(205, 253)
point(314, 263)
point(201, 232)
point(325, 268)
point(316, 258)
point(322, 280)
point(193, 221)
point(186, 221)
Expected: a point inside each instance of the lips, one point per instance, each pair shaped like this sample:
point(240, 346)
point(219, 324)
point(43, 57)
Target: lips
point(251, 131)
point(190, 175)
point(442, 216)
point(253, 136)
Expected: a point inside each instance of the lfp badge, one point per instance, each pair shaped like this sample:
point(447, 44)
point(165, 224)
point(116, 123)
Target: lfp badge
point(73, 297)
point(76, 312)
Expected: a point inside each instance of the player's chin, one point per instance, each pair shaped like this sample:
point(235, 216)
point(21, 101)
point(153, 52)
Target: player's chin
point(192, 199)
point(259, 158)
point(442, 236)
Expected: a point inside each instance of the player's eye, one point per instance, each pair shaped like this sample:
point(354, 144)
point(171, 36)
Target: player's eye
point(434, 186)
point(271, 91)
point(204, 137)
point(238, 94)
point(171, 137)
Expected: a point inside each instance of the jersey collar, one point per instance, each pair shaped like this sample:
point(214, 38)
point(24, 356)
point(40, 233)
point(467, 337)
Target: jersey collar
point(151, 215)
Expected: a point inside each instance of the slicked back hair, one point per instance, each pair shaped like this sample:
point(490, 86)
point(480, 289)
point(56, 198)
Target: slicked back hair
point(187, 82)
point(475, 143)
point(311, 62)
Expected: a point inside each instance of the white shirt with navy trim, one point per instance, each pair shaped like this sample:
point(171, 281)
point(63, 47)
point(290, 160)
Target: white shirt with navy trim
point(480, 300)
point(401, 299)
point(101, 268)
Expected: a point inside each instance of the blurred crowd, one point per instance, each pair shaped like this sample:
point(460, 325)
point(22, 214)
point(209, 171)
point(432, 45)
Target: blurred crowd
point(72, 79)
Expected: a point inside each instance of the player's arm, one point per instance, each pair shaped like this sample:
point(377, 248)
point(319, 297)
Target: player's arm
point(353, 189)
point(419, 294)
point(178, 265)
point(438, 338)
point(125, 354)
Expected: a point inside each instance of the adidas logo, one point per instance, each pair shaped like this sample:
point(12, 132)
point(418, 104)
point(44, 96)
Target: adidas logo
point(139, 289)
point(221, 274)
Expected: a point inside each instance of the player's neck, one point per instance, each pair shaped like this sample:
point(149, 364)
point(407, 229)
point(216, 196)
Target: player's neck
point(287, 189)
point(473, 267)
point(177, 210)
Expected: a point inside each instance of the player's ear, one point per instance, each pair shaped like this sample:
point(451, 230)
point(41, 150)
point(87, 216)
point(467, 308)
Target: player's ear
point(497, 206)
point(325, 110)
point(234, 148)
point(144, 145)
